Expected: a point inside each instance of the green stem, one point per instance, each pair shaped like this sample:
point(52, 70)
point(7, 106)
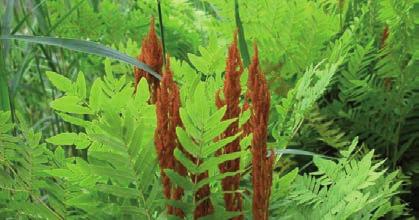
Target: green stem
point(4, 88)
point(5, 29)
point(161, 30)
point(242, 40)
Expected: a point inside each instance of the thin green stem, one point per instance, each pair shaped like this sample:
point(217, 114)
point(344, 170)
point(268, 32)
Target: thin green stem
point(161, 30)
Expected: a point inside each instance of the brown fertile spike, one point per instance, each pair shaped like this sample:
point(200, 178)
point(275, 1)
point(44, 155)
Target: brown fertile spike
point(384, 37)
point(262, 165)
point(253, 71)
point(388, 82)
point(165, 139)
point(151, 54)
point(232, 92)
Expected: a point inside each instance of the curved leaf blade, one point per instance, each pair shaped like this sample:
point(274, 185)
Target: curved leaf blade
point(242, 40)
point(85, 47)
point(298, 152)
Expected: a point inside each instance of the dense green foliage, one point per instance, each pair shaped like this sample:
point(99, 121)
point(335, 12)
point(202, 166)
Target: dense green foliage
point(75, 143)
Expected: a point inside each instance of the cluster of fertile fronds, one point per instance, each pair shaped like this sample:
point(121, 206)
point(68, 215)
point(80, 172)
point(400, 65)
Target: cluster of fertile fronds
point(167, 112)
point(261, 164)
point(166, 97)
point(258, 100)
point(152, 55)
point(232, 91)
point(167, 107)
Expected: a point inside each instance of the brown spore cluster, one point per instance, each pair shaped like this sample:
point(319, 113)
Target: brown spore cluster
point(262, 165)
point(232, 91)
point(152, 55)
point(165, 139)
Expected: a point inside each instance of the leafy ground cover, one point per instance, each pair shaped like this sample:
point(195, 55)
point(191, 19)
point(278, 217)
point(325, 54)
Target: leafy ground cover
point(198, 109)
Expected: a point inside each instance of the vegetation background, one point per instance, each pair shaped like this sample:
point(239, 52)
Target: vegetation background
point(344, 116)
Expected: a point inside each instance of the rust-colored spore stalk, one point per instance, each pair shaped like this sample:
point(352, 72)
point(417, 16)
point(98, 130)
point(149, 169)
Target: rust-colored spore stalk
point(251, 80)
point(232, 90)
point(388, 81)
point(261, 164)
point(384, 37)
point(257, 100)
point(152, 55)
point(165, 139)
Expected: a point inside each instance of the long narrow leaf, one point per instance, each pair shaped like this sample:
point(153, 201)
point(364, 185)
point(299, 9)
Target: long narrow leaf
point(4, 87)
point(7, 19)
point(63, 18)
point(24, 67)
point(242, 40)
point(27, 15)
point(298, 152)
point(95, 5)
point(161, 29)
point(85, 47)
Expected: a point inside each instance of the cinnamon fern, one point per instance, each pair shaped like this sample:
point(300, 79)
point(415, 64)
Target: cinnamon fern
point(108, 113)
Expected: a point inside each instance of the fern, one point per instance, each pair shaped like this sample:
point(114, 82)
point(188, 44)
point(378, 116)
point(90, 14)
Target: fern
point(119, 177)
point(328, 131)
point(26, 191)
point(347, 189)
point(351, 66)
point(300, 100)
point(202, 125)
point(291, 37)
point(377, 83)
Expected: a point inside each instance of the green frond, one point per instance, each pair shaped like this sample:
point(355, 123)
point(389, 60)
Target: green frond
point(26, 191)
point(120, 170)
point(202, 124)
point(293, 109)
point(346, 189)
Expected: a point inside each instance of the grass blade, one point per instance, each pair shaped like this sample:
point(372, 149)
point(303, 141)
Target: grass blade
point(95, 5)
point(41, 14)
point(29, 51)
point(7, 19)
point(85, 47)
point(298, 152)
point(16, 78)
point(23, 20)
point(4, 87)
point(161, 30)
point(65, 17)
point(242, 40)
